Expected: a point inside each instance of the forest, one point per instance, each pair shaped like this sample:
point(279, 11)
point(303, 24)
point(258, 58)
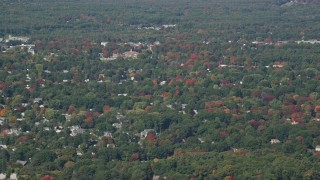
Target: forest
point(146, 89)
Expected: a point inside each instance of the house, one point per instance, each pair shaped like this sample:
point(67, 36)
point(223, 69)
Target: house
point(169, 25)
point(25, 104)
point(258, 42)
point(13, 176)
point(47, 71)
point(3, 120)
point(169, 106)
point(117, 125)
point(235, 150)
point(316, 119)
point(278, 64)
point(145, 132)
point(130, 54)
point(163, 83)
point(279, 43)
point(274, 141)
point(13, 131)
point(58, 129)
point(120, 116)
point(30, 48)
point(312, 41)
point(317, 148)
point(79, 153)
point(123, 94)
point(107, 134)
point(101, 77)
point(31, 51)
point(201, 140)
point(158, 177)
point(111, 145)
point(3, 176)
point(17, 38)
point(222, 65)
point(195, 111)
point(104, 43)
point(183, 106)
point(75, 130)
point(67, 116)
point(37, 100)
point(22, 163)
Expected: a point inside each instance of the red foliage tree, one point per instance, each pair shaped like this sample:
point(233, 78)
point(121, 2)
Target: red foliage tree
point(317, 108)
point(177, 92)
point(267, 97)
point(134, 157)
point(150, 136)
point(155, 82)
point(191, 81)
point(22, 139)
point(70, 109)
point(194, 56)
point(106, 109)
point(294, 108)
point(88, 114)
point(178, 78)
point(254, 123)
point(218, 103)
point(142, 94)
point(233, 59)
point(300, 139)
point(165, 94)
point(223, 134)
point(2, 85)
point(297, 117)
point(267, 40)
point(89, 120)
point(148, 108)
point(47, 177)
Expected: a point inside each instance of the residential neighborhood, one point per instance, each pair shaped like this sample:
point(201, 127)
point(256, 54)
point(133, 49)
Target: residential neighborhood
point(159, 89)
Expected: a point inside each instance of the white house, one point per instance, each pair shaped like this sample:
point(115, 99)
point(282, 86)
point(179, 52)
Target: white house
point(3, 176)
point(145, 132)
point(274, 141)
point(117, 125)
point(75, 130)
point(104, 43)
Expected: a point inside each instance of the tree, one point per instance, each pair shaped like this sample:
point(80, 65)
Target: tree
point(49, 113)
point(43, 157)
point(39, 68)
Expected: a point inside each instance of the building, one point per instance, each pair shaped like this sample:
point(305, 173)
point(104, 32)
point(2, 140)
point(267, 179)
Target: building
point(111, 145)
point(75, 130)
point(131, 54)
point(3, 176)
point(104, 43)
point(117, 125)
point(274, 141)
point(37, 100)
point(17, 38)
point(145, 133)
